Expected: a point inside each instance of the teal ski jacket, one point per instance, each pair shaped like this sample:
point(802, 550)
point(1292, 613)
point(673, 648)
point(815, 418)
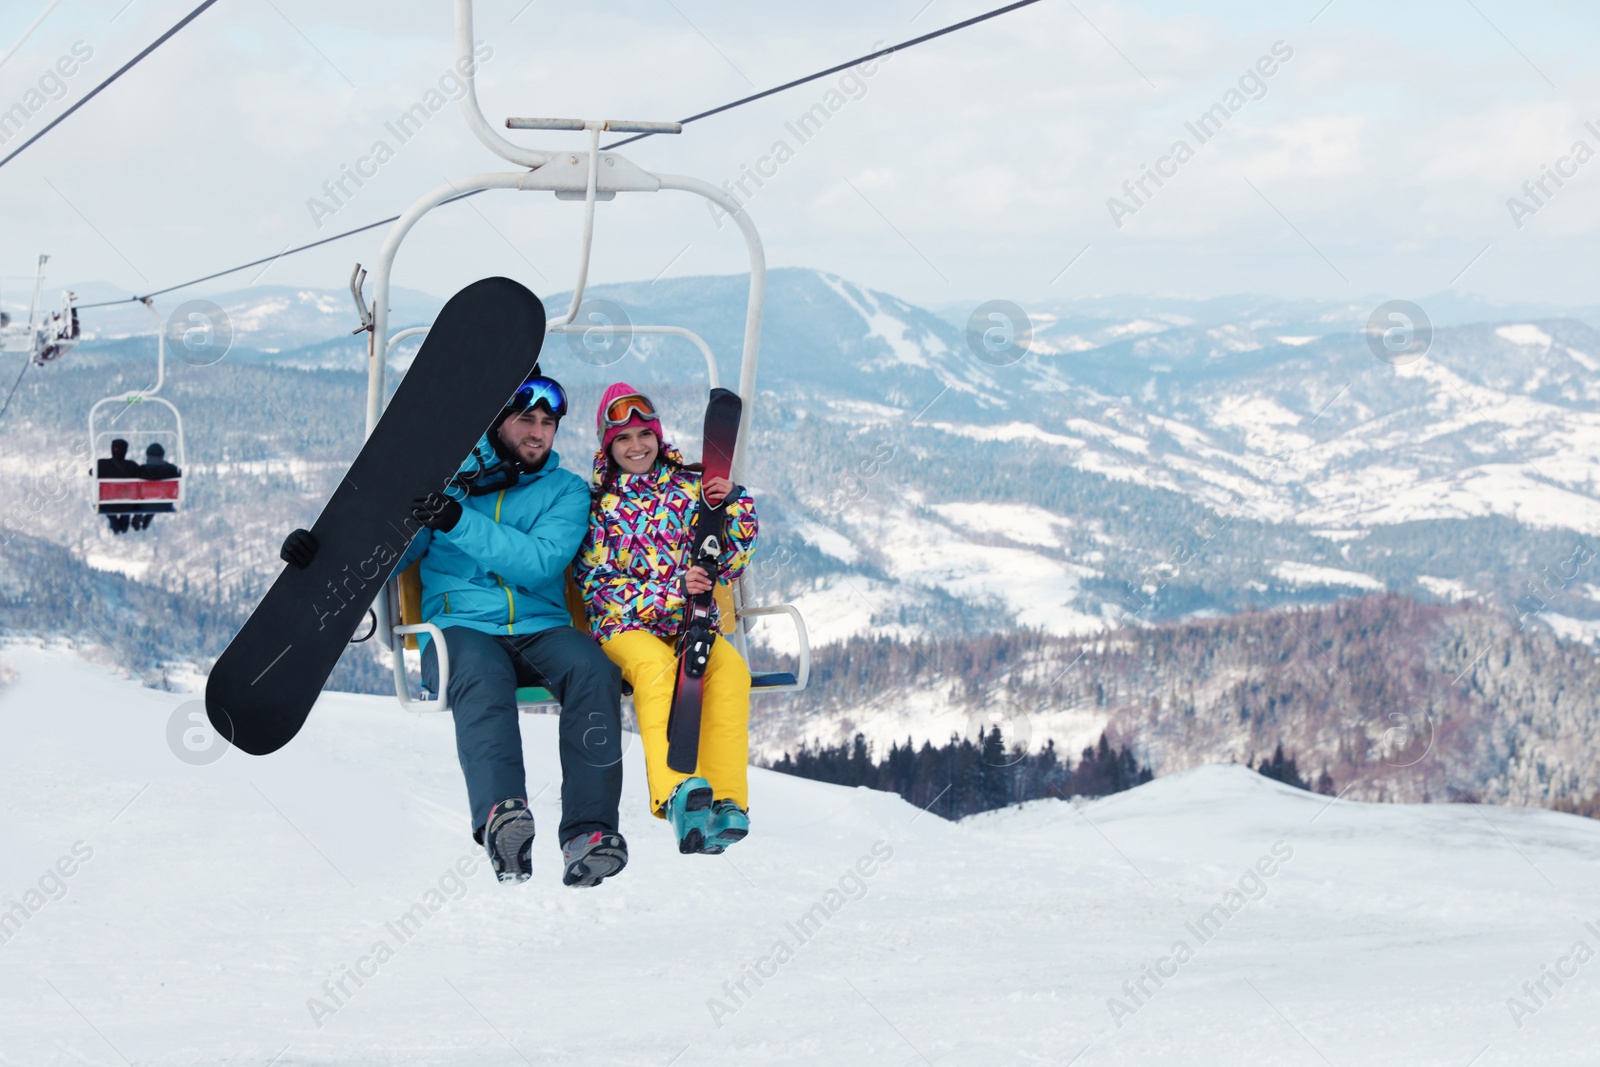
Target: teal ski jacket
point(502, 568)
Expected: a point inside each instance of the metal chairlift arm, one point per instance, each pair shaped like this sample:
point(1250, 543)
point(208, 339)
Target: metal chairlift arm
point(467, 67)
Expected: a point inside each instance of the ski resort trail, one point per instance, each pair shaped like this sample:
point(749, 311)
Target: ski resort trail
point(163, 912)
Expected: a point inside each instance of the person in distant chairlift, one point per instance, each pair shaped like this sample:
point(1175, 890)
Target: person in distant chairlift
point(118, 466)
point(155, 468)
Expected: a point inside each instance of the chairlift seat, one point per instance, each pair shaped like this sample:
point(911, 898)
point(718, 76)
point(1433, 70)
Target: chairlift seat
point(115, 491)
point(773, 680)
point(138, 496)
point(408, 598)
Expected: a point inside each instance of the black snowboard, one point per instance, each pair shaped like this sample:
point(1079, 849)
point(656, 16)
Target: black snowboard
point(723, 412)
point(478, 351)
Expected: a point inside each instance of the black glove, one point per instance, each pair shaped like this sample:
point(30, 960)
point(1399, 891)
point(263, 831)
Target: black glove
point(299, 549)
point(436, 511)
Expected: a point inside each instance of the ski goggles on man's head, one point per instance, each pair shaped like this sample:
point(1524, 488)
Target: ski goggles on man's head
point(624, 409)
point(540, 390)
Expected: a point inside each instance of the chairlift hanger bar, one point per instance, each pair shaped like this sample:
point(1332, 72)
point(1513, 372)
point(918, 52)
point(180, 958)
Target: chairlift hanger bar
point(576, 124)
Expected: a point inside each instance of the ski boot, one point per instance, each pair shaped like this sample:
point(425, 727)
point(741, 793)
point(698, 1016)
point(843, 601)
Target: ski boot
point(689, 812)
point(508, 835)
point(592, 857)
point(729, 823)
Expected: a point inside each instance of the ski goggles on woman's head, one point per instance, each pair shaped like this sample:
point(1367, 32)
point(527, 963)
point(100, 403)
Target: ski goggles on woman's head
point(540, 390)
point(624, 409)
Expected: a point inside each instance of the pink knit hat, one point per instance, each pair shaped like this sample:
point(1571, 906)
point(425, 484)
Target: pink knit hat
point(607, 434)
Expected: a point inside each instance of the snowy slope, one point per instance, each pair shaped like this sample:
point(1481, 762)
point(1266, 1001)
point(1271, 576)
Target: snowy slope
point(208, 904)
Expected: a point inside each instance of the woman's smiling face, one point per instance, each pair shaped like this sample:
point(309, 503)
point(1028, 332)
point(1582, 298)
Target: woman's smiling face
point(634, 449)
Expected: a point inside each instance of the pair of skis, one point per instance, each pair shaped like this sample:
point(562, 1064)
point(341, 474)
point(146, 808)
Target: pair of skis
point(699, 633)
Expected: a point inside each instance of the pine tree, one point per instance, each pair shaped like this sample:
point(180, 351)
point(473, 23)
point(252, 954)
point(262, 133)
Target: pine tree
point(962, 778)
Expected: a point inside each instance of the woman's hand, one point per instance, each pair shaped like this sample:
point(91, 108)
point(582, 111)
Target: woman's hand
point(697, 581)
point(716, 490)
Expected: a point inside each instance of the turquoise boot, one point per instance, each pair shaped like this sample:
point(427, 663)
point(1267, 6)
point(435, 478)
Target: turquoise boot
point(689, 812)
point(729, 823)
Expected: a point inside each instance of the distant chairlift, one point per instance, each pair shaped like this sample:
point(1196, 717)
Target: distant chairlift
point(45, 336)
point(113, 495)
point(590, 176)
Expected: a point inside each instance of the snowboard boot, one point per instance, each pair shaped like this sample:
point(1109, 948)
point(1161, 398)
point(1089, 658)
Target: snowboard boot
point(729, 823)
point(593, 857)
point(508, 835)
point(689, 812)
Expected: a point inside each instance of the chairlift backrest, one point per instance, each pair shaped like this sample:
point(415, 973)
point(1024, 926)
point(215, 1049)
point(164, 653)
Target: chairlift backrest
point(44, 337)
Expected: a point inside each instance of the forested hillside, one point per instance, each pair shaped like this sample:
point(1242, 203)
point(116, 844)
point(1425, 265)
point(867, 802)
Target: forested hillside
point(1393, 699)
point(157, 635)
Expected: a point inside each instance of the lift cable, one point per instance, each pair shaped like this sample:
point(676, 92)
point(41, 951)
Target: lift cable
point(836, 68)
point(92, 93)
point(692, 118)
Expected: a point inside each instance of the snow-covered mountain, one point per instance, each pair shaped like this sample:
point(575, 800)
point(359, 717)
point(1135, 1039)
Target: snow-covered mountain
point(879, 428)
point(1185, 460)
point(327, 905)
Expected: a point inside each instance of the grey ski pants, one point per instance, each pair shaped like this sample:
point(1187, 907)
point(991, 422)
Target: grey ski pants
point(485, 671)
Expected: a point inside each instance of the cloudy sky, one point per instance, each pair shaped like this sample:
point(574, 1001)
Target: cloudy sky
point(1377, 158)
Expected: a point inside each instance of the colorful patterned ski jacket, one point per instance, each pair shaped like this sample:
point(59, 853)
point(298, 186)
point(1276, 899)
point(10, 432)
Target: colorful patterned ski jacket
point(641, 528)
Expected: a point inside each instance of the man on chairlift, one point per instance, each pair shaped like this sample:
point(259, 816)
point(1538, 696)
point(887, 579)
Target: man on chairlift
point(155, 468)
point(495, 551)
point(118, 466)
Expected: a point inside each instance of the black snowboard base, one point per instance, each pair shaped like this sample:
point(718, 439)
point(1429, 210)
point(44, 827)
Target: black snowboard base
point(481, 347)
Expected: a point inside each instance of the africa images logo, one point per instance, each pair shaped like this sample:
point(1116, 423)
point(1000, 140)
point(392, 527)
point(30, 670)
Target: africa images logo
point(1252, 85)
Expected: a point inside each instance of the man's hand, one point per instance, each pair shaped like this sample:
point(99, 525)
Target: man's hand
point(697, 581)
point(436, 511)
point(299, 549)
point(716, 490)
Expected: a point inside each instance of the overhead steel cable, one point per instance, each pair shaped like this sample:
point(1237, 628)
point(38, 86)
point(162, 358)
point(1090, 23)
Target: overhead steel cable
point(836, 68)
point(120, 71)
point(264, 259)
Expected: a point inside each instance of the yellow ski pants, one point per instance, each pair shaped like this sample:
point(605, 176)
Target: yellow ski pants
point(649, 664)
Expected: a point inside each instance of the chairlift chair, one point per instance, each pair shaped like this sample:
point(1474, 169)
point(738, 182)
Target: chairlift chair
point(588, 176)
point(45, 336)
point(138, 496)
point(61, 332)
